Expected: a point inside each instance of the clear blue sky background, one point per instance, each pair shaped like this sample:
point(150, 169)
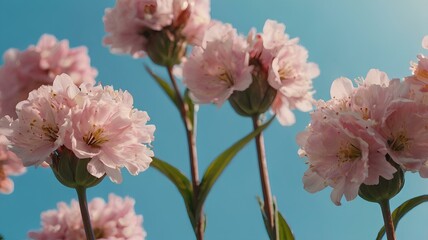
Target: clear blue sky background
point(346, 38)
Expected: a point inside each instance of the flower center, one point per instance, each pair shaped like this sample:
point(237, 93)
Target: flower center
point(51, 132)
point(286, 73)
point(399, 143)
point(365, 113)
point(348, 152)
point(225, 76)
point(95, 138)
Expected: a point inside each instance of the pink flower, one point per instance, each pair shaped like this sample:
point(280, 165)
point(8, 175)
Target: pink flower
point(405, 128)
point(42, 122)
point(350, 135)
point(114, 220)
point(274, 36)
point(24, 71)
point(131, 22)
point(10, 165)
point(94, 122)
point(287, 68)
point(292, 75)
point(214, 71)
point(342, 154)
point(198, 21)
point(107, 129)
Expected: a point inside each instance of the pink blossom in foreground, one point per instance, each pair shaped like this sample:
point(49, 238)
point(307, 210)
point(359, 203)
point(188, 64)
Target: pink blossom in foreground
point(94, 122)
point(107, 129)
point(114, 220)
point(130, 22)
point(350, 135)
point(10, 165)
point(43, 121)
point(24, 71)
point(343, 154)
point(214, 71)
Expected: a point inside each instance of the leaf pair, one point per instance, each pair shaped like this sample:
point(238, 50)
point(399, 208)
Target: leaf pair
point(194, 204)
point(214, 170)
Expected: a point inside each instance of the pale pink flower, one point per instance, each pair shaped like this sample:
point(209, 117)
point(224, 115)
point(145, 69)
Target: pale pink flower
point(114, 220)
point(10, 165)
point(285, 63)
point(350, 135)
point(418, 81)
point(130, 22)
point(107, 129)
point(405, 128)
point(274, 36)
point(213, 72)
point(42, 121)
point(198, 21)
point(93, 121)
point(342, 154)
point(24, 71)
point(292, 75)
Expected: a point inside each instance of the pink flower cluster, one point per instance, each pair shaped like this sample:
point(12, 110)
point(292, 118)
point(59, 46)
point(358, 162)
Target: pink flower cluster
point(94, 122)
point(10, 165)
point(114, 220)
point(227, 62)
point(24, 71)
point(130, 22)
point(350, 135)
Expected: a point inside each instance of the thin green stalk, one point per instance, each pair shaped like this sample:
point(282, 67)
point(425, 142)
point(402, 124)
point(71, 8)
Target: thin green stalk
point(264, 175)
point(81, 193)
point(193, 157)
point(387, 219)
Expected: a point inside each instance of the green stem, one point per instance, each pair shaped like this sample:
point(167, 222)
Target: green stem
point(193, 157)
point(264, 175)
point(81, 193)
point(387, 219)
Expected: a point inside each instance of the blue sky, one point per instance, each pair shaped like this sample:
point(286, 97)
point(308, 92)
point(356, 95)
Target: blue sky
point(345, 38)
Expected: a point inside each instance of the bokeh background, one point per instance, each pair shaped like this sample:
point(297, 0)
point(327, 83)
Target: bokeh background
point(346, 38)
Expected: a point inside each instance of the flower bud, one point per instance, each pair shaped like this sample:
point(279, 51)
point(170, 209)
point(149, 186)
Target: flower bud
point(165, 48)
point(72, 171)
point(386, 189)
point(258, 97)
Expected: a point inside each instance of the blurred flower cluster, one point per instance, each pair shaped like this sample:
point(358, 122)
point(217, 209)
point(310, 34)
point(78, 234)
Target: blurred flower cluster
point(114, 220)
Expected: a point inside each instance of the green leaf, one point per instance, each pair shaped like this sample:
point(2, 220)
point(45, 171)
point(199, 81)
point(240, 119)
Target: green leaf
point(188, 103)
point(1, 237)
point(402, 210)
point(164, 85)
point(180, 181)
point(216, 168)
point(283, 228)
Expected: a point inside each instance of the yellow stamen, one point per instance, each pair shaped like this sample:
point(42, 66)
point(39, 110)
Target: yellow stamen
point(95, 138)
point(348, 153)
